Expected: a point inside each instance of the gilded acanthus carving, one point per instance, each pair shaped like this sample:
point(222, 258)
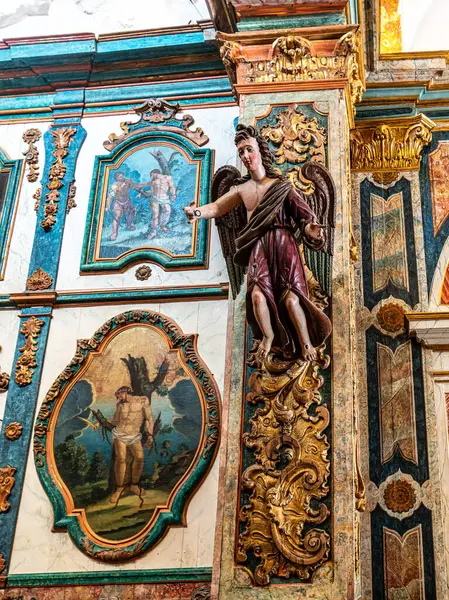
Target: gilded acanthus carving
point(294, 58)
point(2, 563)
point(39, 280)
point(390, 145)
point(289, 478)
point(6, 484)
point(30, 137)
point(157, 114)
point(297, 139)
point(27, 361)
point(62, 138)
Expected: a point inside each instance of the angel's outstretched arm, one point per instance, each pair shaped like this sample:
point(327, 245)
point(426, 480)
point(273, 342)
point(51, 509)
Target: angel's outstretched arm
point(215, 209)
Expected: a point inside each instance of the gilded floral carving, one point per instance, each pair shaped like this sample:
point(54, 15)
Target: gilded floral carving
point(39, 280)
point(143, 273)
point(391, 317)
point(2, 563)
point(6, 484)
point(62, 138)
point(399, 496)
point(71, 198)
point(13, 431)
point(37, 199)
point(289, 477)
point(27, 361)
point(394, 146)
point(4, 381)
point(30, 137)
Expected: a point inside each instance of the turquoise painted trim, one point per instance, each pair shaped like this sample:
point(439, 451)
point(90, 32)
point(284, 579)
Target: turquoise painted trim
point(50, 50)
point(111, 577)
point(14, 168)
point(319, 20)
point(90, 264)
point(20, 407)
point(154, 294)
point(47, 244)
point(211, 427)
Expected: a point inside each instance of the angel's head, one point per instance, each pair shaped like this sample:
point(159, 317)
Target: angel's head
point(254, 151)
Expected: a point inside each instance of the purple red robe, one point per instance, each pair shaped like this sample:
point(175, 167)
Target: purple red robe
point(267, 247)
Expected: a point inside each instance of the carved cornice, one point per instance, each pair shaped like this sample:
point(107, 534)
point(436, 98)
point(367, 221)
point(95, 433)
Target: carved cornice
point(39, 280)
point(303, 59)
point(30, 137)
point(24, 366)
point(391, 144)
point(62, 138)
point(6, 484)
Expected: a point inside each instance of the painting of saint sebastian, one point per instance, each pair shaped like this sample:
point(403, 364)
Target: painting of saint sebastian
point(265, 242)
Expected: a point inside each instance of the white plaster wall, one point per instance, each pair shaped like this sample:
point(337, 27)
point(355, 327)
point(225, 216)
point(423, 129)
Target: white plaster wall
point(218, 124)
point(424, 25)
point(36, 548)
point(21, 240)
point(9, 327)
point(48, 17)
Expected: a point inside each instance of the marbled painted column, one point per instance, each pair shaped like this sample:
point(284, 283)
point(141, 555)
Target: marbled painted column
point(335, 578)
point(63, 141)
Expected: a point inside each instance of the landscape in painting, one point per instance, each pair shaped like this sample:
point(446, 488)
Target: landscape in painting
point(127, 432)
point(145, 195)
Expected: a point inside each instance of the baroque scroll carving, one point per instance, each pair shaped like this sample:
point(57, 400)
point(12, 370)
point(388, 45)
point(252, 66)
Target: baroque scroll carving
point(289, 478)
point(398, 145)
point(62, 138)
point(6, 484)
point(30, 137)
point(159, 113)
point(27, 361)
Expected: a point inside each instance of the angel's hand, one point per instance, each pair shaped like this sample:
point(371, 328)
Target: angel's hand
point(192, 213)
point(314, 231)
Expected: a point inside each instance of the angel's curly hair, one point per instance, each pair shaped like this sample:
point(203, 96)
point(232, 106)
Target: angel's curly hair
point(244, 132)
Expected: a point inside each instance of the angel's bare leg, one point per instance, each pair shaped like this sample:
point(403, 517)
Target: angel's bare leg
point(263, 317)
point(299, 321)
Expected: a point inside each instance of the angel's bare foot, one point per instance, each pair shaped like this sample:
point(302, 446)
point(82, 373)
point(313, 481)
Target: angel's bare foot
point(309, 353)
point(263, 349)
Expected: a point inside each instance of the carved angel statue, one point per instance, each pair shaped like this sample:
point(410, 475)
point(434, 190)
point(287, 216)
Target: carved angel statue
point(264, 240)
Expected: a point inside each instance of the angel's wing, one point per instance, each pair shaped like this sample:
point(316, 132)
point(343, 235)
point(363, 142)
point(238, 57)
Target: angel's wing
point(230, 224)
point(322, 201)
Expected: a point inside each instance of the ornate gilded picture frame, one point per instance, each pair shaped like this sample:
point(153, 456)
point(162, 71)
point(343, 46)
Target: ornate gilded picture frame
point(126, 434)
point(11, 172)
point(153, 170)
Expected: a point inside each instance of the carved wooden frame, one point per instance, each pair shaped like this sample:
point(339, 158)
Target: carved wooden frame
point(158, 125)
point(66, 515)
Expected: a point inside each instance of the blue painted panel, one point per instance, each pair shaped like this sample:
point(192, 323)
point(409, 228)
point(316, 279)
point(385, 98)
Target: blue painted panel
point(7, 208)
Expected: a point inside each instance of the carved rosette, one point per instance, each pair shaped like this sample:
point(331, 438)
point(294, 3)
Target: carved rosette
point(13, 431)
point(30, 137)
point(6, 484)
point(27, 361)
point(390, 145)
point(39, 280)
point(62, 138)
point(289, 478)
point(158, 114)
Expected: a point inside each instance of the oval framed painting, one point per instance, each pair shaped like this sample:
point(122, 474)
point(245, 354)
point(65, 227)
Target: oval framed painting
point(126, 434)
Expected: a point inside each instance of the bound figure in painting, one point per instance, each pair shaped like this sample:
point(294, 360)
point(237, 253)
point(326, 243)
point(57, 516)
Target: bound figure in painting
point(265, 241)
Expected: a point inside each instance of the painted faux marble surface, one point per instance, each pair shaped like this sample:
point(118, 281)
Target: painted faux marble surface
point(163, 591)
point(386, 546)
point(235, 583)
